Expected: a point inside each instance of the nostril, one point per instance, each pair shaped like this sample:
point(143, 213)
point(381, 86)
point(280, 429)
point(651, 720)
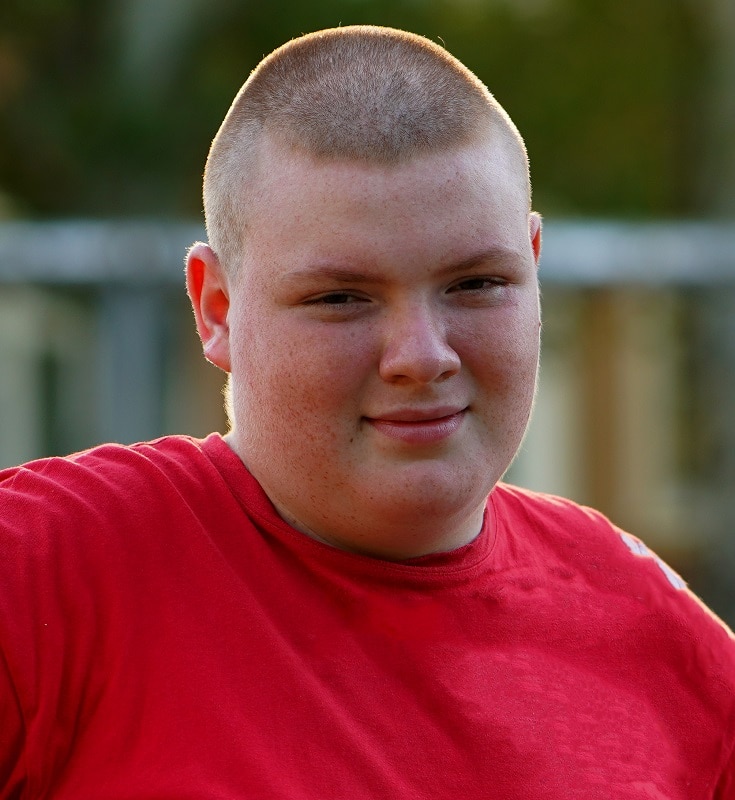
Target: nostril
point(419, 360)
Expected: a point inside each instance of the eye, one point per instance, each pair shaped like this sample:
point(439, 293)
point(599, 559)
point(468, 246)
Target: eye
point(337, 305)
point(477, 284)
point(336, 299)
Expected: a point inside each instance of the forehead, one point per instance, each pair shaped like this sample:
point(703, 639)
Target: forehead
point(427, 212)
point(489, 167)
point(401, 219)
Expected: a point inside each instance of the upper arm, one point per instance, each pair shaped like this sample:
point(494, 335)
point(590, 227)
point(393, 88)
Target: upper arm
point(12, 737)
point(726, 785)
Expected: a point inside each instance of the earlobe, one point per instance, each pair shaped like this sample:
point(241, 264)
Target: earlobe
point(534, 230)
point(208, 291)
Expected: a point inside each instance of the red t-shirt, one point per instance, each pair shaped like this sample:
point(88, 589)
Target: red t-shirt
point(165, 635)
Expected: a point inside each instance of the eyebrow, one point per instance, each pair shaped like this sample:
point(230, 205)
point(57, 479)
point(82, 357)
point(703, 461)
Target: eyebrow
point(339, 274)
point(346, 275)
point(492, 254)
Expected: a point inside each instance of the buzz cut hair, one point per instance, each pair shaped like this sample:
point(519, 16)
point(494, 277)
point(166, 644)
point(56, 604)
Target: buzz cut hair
point(361, 93)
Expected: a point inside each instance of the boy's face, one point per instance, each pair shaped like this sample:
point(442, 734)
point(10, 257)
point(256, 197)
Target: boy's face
point(382, 334)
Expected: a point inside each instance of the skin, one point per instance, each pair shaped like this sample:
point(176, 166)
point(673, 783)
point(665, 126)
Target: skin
point(382, 335)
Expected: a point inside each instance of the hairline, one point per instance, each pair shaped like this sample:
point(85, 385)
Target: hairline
point(244, 188)
point(232, 165)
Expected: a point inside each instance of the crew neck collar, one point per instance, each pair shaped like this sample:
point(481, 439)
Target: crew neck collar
point(462, 562)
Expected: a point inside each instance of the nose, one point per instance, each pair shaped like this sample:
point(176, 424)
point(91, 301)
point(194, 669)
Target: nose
point(416, 348)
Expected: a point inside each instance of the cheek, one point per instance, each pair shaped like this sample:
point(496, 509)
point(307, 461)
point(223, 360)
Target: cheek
point(507, 345)
point(522, 330)
point(300, 371)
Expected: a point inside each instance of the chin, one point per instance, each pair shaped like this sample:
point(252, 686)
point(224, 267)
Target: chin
point(430, 493)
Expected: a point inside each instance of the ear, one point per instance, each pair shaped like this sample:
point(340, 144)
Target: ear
point(208, 290)
point(534, 230)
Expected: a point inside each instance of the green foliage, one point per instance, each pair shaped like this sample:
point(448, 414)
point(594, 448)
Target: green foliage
point(108, 108)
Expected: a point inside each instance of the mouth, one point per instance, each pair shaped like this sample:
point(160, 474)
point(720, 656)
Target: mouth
point(416, 426)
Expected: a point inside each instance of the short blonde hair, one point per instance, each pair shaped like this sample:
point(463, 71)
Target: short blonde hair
point(360, 92)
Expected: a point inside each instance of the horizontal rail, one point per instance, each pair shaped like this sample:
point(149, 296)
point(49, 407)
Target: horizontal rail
point(576, 252)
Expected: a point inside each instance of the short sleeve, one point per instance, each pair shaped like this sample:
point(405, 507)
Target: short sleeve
point(12, 737)
point(726, 785)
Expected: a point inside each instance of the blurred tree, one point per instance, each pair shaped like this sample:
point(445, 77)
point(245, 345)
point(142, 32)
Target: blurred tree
point(108, 106)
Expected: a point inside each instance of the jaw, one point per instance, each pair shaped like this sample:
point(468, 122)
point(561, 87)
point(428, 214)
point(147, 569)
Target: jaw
point(387, 500)
point(409, 510)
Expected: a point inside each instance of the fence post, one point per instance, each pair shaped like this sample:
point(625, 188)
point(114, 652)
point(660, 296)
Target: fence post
point(133, 322)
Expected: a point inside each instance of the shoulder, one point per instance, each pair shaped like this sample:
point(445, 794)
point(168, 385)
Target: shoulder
point(579, 534)
point(627, 610)
point(543, 511)
point(559, 530)
point(631, 606)
point(100, 488)
point(610, 566)
point(105, 458)
point(95, 523)
point(103, 469)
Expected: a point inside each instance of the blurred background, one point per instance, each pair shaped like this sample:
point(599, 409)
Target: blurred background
point(107, 108)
